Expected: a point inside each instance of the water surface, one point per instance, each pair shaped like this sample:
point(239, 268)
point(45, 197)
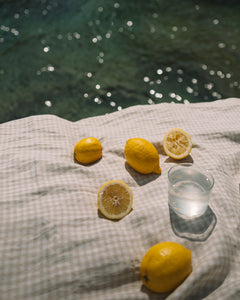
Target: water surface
point(79, 59)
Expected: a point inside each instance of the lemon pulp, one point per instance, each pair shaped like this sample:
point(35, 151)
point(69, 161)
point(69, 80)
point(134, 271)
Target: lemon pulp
point(177, 143)
point(115, 199)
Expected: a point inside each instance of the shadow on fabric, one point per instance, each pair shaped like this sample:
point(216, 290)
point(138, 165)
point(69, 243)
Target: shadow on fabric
point(141, 179)
point(197, 229)
point(154, 296)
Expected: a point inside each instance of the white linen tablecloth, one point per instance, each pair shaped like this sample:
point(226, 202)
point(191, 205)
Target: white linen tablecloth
point(55, 245)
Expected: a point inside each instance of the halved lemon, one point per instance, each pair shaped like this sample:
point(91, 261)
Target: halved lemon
point(115, 199)
point(177, 143)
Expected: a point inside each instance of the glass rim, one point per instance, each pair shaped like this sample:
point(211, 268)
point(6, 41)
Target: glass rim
point(198, 168)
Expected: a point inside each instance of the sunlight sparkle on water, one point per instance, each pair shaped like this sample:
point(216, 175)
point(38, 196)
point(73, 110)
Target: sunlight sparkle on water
point(109, 29)
point(48, 103)
point(46, 49)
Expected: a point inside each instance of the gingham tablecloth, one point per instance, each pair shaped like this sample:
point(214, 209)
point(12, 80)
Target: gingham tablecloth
point(55, 245)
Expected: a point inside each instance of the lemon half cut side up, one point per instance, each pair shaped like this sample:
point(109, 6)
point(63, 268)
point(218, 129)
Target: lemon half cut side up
point(115, 199)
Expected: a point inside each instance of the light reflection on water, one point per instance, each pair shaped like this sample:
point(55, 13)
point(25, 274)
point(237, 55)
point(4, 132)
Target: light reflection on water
point(80, 59)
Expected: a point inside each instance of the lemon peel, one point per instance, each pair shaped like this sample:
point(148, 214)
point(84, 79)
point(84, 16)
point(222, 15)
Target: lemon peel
point(142, 156)
point(165, 266)
point(88, 150)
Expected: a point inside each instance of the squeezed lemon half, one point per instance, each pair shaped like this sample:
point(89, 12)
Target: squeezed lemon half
point(177, 143)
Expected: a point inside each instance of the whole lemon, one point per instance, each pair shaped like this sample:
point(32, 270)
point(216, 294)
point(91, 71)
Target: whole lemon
point(88, 150)
point(165, 266)
point(142, 156)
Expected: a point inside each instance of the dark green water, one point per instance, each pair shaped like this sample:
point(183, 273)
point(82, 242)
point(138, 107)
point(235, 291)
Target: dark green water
point(79, 58)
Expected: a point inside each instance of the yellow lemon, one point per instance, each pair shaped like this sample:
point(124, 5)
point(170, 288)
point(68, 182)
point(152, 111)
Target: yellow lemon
point(115, 199)
point(165, 266)
point(142, 156)
point(88, 150)
point(177, 143)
